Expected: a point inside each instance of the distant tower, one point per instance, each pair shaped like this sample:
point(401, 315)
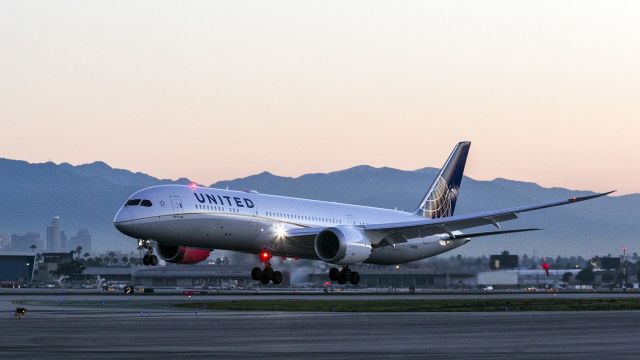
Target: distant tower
point(54, 236)
point(82, 238)
point(63, 242)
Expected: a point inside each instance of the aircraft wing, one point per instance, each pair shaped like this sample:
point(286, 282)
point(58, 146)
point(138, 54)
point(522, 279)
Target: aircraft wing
point(399, 232)
point(448, 225)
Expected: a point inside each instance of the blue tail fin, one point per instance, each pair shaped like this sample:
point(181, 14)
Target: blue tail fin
point(440, 200)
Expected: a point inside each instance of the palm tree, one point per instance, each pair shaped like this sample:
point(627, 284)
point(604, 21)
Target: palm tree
point(112, 258)
point(78, 250)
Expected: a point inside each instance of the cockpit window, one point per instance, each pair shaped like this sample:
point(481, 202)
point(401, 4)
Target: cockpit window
point(146, 203)
point(133, 202)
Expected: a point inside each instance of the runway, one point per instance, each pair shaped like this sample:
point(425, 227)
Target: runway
point(149, 327)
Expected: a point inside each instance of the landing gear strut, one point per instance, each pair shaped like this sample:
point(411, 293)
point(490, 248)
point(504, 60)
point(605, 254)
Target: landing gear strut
point(345, 275)
point(148, 258)
point(268, 274)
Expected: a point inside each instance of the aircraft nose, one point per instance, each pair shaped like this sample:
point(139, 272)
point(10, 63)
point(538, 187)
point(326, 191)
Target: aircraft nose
point(123, 216)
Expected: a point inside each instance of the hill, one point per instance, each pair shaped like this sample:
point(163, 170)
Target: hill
point(89, 195)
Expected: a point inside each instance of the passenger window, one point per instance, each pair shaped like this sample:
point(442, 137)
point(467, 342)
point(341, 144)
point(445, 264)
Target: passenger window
point(146, 203)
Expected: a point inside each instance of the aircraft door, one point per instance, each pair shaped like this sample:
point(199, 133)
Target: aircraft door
point(176, 203)
point(350, 220)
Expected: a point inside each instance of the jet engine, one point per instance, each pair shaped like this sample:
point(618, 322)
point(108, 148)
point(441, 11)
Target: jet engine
point(182, 254)
point(342, 245)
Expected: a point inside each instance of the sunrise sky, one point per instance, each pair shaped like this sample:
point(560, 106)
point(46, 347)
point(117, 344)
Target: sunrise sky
point(547, 91)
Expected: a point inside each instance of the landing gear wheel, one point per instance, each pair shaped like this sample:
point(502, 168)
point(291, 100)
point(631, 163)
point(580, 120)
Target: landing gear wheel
point(277, 278)
point(267, 275)
point(346, 273)
point(128, 290)
point(334, 274)
point(344, 276)
point(148, 258)
point(355, 278)
point(265, 279)
point(256, 273)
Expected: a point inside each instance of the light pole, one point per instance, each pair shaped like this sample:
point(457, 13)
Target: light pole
point(624, 268)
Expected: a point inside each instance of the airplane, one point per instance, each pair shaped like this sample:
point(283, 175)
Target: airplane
point(186, 222)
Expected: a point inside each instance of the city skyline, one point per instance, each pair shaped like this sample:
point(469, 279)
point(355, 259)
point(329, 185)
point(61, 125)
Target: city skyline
point(55, 239)
point(214, 91)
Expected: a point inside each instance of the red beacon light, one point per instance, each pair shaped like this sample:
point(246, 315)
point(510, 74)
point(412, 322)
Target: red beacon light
point(264, 256)
point(545, 267)
point(193, 186)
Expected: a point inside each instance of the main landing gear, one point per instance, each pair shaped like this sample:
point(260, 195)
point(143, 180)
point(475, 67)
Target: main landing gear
point(268, 274)
point(344, 276)
point(148, 258)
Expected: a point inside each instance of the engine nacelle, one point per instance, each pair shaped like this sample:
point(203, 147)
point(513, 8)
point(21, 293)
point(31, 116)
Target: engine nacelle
point(342, 245)
point(182, 254)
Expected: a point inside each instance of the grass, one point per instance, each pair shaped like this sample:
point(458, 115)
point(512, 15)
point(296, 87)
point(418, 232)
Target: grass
point(490, 305)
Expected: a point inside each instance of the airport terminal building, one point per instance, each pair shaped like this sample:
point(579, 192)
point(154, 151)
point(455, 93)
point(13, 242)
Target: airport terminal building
point(198, 275)
point(405, 278)
point(515, 278)
point(239, 276)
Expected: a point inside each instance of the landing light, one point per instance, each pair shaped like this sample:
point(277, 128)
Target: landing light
point(279, 231)
point(193, 186)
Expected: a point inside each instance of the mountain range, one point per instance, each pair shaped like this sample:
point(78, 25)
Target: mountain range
point(89, 195)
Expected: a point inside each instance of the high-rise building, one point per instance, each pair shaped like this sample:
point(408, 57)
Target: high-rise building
point(63, 242)
point(50, 246)
point(83, 239)
point(5, 241)
point(24, 242)
point(54, 236)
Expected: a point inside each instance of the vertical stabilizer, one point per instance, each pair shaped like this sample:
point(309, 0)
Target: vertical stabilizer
point(440, 200)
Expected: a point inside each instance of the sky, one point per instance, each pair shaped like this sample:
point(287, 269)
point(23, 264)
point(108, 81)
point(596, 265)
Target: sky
point(547, 91)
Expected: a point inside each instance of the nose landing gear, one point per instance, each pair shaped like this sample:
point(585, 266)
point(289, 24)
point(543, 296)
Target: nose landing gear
point(268, 274)
point(344, 276)
point(148, 258)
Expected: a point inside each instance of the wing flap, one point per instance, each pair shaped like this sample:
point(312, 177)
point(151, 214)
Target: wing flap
point(489, 233)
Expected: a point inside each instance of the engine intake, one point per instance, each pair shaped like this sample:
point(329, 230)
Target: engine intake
point(342, 245)
point(182, 254)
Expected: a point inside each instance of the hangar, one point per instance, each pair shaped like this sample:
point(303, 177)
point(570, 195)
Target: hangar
point(17, 268)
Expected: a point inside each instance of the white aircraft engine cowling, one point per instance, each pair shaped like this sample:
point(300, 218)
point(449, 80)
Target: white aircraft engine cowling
point(342, 245)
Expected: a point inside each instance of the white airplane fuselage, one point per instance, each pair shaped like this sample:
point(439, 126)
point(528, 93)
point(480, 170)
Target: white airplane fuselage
point(250, 222)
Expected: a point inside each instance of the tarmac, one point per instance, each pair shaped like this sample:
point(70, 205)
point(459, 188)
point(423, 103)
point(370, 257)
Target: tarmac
point(149, 327)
